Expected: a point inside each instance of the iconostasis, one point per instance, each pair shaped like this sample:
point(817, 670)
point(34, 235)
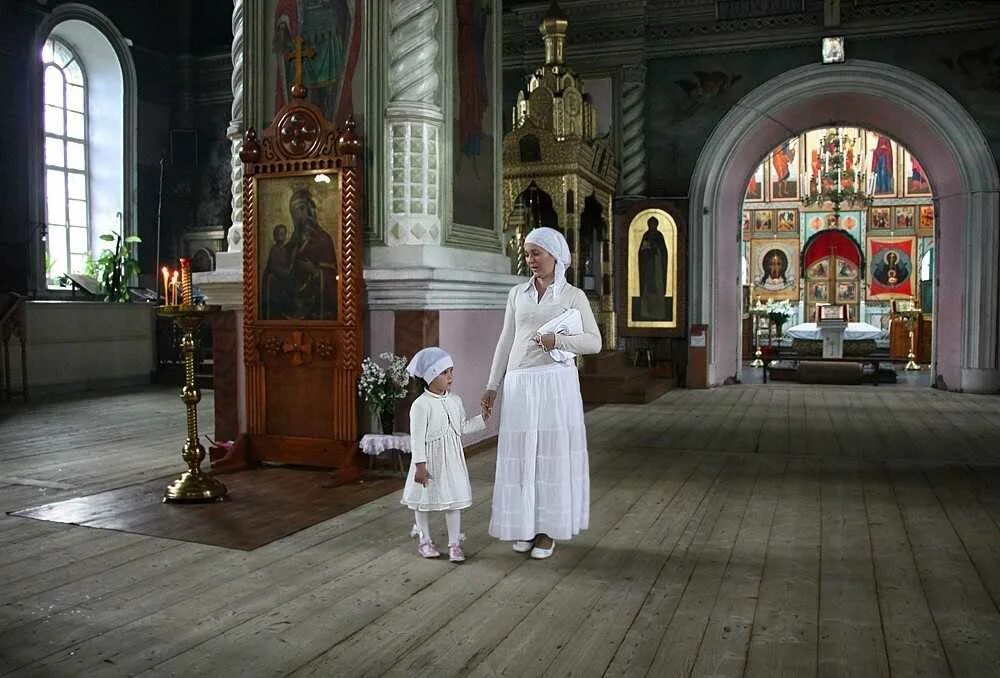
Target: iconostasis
point(895, 234)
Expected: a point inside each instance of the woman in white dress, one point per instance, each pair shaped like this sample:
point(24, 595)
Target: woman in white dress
point(542, 487)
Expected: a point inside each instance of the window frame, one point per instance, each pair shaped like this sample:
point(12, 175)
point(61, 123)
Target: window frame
point(65, 170)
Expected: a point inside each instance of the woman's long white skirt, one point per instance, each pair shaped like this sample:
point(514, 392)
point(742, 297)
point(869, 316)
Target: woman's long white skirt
point(543, 477)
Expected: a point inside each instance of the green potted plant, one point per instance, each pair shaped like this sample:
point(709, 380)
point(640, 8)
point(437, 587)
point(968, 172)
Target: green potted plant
point(115, 266)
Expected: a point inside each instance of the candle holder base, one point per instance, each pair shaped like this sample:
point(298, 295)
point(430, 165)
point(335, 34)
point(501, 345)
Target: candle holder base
point(191, 487)
point(912, 364)
point(758, 359)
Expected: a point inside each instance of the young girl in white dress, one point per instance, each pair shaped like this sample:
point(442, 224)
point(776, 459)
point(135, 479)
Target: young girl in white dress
point(438, 479)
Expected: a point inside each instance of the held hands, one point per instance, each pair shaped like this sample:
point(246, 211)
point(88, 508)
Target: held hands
point(422, 475)
point(486, 402)
point(546, 341)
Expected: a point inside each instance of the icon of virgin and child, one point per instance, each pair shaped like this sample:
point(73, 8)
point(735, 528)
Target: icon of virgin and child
point(300, 277)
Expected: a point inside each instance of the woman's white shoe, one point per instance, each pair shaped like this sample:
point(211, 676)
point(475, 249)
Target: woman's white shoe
point(522, 546)
point(542, 554)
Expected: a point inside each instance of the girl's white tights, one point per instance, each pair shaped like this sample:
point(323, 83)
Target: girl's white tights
point(452, 518)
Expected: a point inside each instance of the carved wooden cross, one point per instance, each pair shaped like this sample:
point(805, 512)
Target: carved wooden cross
point(300, 52)
point(301, 349)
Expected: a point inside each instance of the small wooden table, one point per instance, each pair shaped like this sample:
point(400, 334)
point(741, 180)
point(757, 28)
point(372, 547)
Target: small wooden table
point(376, 444)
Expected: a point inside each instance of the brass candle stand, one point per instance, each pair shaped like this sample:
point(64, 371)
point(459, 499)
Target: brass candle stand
point(910, 318)
point(193, 485)
point(755, 313)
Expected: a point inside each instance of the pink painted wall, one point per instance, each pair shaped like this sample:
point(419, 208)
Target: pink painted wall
point(381, 334)
point(470, 337)
point(943, 169)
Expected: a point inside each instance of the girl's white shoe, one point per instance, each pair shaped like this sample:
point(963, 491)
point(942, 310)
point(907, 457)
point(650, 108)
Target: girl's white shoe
point(542, 554)
point(522, 546)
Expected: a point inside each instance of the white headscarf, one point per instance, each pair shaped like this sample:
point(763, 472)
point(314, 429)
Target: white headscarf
point(429, 362)
point(553, 242)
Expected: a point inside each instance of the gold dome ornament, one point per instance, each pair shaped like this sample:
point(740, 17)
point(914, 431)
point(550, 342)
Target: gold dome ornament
point(553, 28)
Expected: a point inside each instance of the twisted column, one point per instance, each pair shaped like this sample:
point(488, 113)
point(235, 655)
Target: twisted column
point(633, 174)
point(414, 122)
point(413, 51)
point(235, 131)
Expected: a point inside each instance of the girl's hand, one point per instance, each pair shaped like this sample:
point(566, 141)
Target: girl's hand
point(421, 475)
point(547, 341)
point(486, 402)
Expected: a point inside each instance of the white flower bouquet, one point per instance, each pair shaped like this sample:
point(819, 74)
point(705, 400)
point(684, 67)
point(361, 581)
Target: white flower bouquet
point(382, 386)
point(778, 312)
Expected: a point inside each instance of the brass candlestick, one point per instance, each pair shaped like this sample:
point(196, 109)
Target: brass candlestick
point(758, 354)
point(193, 485)
point(911, 356)
point(911, 318)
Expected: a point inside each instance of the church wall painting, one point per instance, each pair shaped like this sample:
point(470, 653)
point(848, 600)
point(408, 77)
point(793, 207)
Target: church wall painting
point(925, 220)
point(890, 271)
point(746, 227)
point(813, 222)
point(915, 182)
point(849, 222)
point(880, 219)
point(847, 292)
point(755, 185)
point(787, 221)
point(473, 120)
point(784, 168)
point(677, 128)
point(881, 155)
point(653, 260)
point(763, 221)
point(903, 218)
point(333, 29)
point(299, 241)
point(774, 268)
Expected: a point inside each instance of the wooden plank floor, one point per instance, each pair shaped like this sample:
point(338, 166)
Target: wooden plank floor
point(776, 530)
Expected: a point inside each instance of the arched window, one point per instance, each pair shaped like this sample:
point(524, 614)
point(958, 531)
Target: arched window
point(86, 119)
point(66, 167)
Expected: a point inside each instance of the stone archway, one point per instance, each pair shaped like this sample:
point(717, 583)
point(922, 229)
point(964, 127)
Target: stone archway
point(921, 116)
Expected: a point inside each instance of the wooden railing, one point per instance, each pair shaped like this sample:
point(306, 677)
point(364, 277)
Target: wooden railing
point(12, 324)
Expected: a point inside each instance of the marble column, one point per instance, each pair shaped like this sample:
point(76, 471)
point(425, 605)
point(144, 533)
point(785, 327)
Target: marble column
point(413, 124)
point(633, 116)
point(235, 132)
point(224, 285)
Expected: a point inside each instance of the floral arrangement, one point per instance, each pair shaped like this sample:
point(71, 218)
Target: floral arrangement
point(381, 386)
point(778, 312)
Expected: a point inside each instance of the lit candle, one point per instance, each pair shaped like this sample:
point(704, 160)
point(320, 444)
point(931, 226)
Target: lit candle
point(174, 285)
point(166, 285)
point(186, 281)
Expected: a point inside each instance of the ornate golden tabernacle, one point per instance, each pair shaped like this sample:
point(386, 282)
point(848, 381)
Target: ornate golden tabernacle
point(558, 172)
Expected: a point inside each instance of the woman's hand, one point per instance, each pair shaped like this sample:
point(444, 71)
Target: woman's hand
point(421, 475)
point(546, 341)
point(486, 402)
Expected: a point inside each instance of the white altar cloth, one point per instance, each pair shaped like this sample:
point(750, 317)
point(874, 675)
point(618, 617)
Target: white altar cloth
point(854, 332)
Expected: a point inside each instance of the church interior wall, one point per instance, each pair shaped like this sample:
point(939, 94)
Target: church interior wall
point(75, 346)
point(159, 33)
point(687, 96)
point(470, 336)
point(960, 168)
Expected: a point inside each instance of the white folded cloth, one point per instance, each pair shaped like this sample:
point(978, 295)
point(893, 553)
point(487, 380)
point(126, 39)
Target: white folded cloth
point(569, 322)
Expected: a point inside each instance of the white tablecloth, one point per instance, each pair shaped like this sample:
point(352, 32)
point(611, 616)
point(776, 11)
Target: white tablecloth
point(376, 443)
point(854, 332)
